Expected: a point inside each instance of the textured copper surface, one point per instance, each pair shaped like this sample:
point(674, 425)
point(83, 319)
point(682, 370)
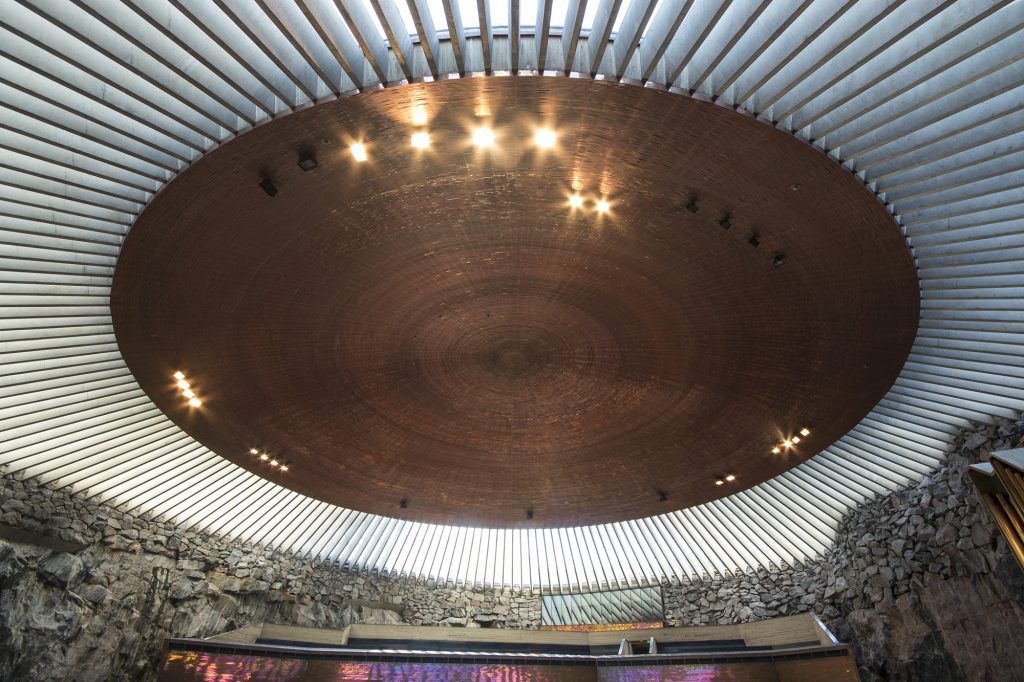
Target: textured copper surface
point(440, 327)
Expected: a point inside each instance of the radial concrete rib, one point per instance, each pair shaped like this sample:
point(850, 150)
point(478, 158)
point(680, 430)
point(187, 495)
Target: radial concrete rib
point(397, 35)
point(360, 20)
point(571, 28)
point(425, 30)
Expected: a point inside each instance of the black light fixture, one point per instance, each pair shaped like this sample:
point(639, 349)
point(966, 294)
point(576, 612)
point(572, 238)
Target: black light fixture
point(307, 162)
point(529, 513)
point(692, 206)
point(268, 186)
point(662, 496)
point(754, 240)
point(403, 503)
point(725, 222)
point(778, 261)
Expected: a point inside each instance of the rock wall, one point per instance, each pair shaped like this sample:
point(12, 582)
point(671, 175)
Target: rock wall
point(918, 580)
point(99, 605)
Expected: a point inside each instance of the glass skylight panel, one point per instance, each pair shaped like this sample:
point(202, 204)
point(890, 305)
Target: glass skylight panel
point(410, 25)
point(499, 14)
point(527, 13)
point(470, 14)
point(623, 8)
point(654, 16)
point(559, 8)
point(589, 15)
point(436, 8)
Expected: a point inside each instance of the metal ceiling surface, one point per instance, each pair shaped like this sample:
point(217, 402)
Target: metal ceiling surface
point(104, 102)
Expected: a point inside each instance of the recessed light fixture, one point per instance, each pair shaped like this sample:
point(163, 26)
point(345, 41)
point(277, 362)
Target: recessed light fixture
point(545, 138)
point(253, 451)
point(307, 162)
point(691, 206)
point(603, 206)
point(483, 137)
point(725, 223)
point(421, 140)
point(284, 467)
point(730, 477)
point(268, 186)
point(719, 482)
point(778, 261)
point(358, 151)
point(419, 115)
point(576, 201)
point(264, 456)
point(273, 462)
point(186, 389)
point(754, 240)
point(791, 441)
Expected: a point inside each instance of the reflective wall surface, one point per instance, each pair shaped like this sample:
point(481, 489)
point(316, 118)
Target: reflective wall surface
point(224, 667)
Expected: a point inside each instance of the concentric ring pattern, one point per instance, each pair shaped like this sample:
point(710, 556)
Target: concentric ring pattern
point(103, 102)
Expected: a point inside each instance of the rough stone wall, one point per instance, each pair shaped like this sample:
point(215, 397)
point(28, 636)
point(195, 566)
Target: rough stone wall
point(102, 612)
point(919, 580)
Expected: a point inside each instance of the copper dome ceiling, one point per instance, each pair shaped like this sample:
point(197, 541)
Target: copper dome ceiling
point(439, 329)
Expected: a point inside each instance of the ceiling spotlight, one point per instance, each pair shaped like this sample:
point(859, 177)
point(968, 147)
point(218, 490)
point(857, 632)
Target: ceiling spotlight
point(268, 186)
point(719, 482)
point(195, 402)
point(754, 240)
point(545, 138)
point(419, 115)
point(778, 261)
point(692, 206)
point(730, 477)
point(264, 457)
point(787, 443)
point(483, 137)
point(307, 162)
point(188, 393)
point(776, 450)
point(805, 432)
point(795, 439)
point(421, 140)
point(603, 206)
point(184, 385)
point(179, 375)
point(253, 451)
point(273, 462)
point(725, 223)
point(576, 201)
point(662, 496)
point(284, 467)
point(529, 513)
point(403, 503)
point(358, 152)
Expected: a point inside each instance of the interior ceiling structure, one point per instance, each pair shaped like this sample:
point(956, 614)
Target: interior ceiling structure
point(381, 325)
point(103, 103)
